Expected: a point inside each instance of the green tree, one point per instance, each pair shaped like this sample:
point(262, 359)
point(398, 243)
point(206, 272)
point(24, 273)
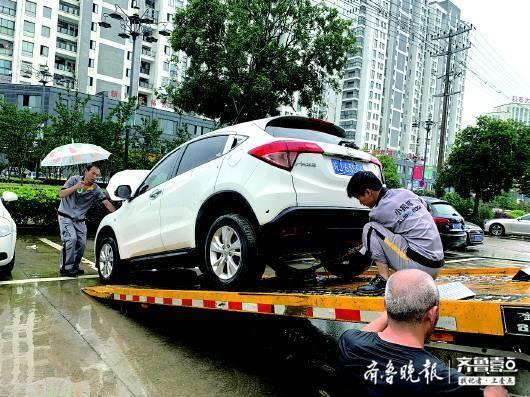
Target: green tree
point(390, 171)
point(20, 130)
point(486, 159)
point(247, 58)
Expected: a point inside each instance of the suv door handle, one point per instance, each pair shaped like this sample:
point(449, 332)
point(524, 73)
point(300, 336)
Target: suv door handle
point(155, 194)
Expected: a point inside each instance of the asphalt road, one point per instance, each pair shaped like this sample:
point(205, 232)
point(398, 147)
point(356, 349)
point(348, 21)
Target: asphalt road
point(55, 340)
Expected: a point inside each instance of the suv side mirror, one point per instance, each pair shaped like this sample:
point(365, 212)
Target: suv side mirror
point(123, 191)
point(9, 196)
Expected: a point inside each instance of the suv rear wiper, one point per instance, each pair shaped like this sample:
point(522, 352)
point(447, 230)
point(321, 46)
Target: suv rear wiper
point(348, 143)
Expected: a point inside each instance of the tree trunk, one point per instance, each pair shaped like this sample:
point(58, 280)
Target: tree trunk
point(476, 204)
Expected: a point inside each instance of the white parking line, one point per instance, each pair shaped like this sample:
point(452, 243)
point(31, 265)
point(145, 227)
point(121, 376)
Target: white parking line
point(40, 280)
point(462, 260)
point(59, 247)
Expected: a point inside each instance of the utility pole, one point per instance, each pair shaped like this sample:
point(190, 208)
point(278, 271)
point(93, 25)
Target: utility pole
point(451, 50)
point(427, 124)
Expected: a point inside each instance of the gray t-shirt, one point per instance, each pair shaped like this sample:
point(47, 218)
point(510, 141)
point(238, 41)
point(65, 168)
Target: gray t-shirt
point(404, 213)
point(78, 203)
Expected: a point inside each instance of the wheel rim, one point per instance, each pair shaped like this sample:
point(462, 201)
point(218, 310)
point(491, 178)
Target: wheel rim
point(225, 252)
point(496, 230)
point(106, 260)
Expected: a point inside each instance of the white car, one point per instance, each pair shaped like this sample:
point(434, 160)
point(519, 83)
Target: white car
point(506, 226)
point(270, 191)
point(8, 235)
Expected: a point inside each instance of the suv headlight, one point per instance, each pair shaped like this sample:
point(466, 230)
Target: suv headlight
point(5, 227)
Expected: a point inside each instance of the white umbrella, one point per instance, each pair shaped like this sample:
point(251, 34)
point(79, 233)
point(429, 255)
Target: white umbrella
point(74, 153)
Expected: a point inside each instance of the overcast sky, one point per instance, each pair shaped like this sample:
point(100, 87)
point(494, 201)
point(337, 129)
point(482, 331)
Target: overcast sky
point(505, 25)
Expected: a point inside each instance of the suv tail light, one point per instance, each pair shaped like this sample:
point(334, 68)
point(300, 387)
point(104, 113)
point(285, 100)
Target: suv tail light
point(440, 221)
point(283, 154)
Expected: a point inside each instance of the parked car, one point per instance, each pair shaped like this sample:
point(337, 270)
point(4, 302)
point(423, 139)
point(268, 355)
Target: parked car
point(449, 222)
point(475, 234)
point(269, 191)
point(14, 172)
point(501, 227)
point(8, 235)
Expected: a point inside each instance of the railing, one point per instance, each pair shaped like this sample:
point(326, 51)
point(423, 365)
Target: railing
point(145, 70)
point(7, 31)
point(6, 51)
point(69, 32)
point(8, 11)
point(148, 52)
point(67, 46)
point(145, 84)
point(65, 68)
point(69, 9)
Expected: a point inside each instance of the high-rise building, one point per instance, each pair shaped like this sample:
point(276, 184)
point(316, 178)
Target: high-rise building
point(392, 80)
point(65, 36)
point(512, 111)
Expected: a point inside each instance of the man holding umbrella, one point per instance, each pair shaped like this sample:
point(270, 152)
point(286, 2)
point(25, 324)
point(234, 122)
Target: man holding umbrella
point(78, 194)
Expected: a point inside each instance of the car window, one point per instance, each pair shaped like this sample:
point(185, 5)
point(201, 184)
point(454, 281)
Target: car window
point(441, 209)
point(162, 172)
point(298, 133)
point(201, 152)
point(525, 218)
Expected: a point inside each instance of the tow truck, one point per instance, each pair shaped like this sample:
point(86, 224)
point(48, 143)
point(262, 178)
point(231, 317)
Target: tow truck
point(493, 323)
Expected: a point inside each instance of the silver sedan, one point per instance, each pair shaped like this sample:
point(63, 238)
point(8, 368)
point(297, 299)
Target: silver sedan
point(501, 227)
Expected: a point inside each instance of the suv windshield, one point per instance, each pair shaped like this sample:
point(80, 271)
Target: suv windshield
point(443, 209)
point(297, 133)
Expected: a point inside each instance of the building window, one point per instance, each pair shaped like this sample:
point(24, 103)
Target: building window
point(44, 50)
point(8, 7)
point(95, 8)
point(46, 12)
point(31, 8)
point(94, 27)
point(126, 72)
point(92, 45)
point(27, 48)
point(7, 27)
point(5, 67)
point(45, 31)
point(128, 55)
point(26, 69)
point(30, 101)
point(167, 50)
point(166, 66)
point(90, 62)
point(29, 29)
point(91, 81)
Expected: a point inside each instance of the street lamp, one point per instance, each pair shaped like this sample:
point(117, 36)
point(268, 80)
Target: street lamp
point(427, 125)
point(133, 26)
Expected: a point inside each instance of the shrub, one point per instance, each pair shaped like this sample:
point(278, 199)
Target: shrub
point(463, 206)
point(428, 193)
point(37, 206)
point(517, 213)
point(23, 181)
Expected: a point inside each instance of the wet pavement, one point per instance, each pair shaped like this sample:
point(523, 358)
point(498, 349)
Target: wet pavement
point(57, 341)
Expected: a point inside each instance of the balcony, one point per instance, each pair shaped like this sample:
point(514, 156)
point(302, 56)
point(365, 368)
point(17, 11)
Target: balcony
point(148, 52)
point(69, 11)
point(145, 85)
point(67, 30)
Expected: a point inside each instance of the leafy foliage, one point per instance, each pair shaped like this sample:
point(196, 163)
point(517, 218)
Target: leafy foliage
point(487, 159)
point(250, 57)
point(390, 171)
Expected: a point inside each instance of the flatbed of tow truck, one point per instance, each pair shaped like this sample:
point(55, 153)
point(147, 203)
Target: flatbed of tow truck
point(494, 322)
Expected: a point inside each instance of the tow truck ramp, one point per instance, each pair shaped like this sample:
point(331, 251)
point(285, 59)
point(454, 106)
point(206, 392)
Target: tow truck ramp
point(493, 322)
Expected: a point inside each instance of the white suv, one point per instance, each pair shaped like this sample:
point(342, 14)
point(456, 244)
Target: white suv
point(269, 191)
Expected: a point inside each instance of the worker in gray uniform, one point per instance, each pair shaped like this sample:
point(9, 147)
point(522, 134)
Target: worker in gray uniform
point(401, 233)
point(77, 196)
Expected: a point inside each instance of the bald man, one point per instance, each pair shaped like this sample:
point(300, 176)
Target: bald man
point(387, 357)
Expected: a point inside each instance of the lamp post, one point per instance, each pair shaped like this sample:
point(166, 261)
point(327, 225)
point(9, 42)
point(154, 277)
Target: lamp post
point(427, 124)
point(134, 25)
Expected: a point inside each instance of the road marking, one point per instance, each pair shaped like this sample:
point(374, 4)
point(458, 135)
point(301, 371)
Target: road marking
point(45, 279)
point(461, 260)
point(58, 247)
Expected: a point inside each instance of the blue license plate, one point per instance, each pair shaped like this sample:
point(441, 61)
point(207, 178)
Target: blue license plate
point(478, 238)
point(457, 226)
point(343, 167)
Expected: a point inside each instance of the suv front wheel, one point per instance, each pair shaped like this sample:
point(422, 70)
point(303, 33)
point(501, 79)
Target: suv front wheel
point(231, 253)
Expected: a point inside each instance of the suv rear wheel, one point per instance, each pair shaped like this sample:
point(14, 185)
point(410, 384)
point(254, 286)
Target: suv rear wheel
point(346, 265)
point(231, 253)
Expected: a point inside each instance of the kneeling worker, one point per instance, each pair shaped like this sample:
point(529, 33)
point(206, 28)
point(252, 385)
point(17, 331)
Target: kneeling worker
point(401, 233)
point(77, 196)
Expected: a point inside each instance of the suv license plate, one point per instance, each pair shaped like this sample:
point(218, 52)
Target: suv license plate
point(478, 238)
point(457, 226)
point(343, 167)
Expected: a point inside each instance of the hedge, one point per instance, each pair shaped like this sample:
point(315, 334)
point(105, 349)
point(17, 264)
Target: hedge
point(37, 206)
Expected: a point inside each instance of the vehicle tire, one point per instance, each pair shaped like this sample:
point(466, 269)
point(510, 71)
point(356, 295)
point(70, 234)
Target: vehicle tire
point(231, 257)
point(497, 230)
point(7, 269)
point(108, 262)
point(348, 265)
